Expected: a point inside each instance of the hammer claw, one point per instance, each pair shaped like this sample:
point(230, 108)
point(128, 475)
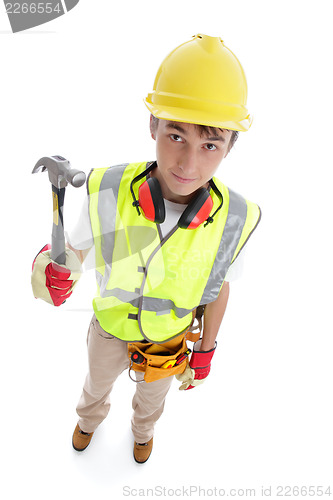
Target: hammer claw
point(60, 171)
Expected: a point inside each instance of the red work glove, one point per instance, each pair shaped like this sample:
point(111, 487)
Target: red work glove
point(51, 282)
point(198, 369)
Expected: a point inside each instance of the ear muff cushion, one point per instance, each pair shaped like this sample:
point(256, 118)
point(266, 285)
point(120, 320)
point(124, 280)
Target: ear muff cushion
point(151, 200)
point(197, 211)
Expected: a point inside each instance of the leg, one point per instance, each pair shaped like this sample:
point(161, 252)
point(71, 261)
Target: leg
point(108, 358)
point(148, 404)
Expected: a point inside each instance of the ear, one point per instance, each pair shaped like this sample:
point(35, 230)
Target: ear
point(152, 128)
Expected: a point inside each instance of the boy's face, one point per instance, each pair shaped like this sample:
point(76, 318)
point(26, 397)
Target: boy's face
point(186, 160)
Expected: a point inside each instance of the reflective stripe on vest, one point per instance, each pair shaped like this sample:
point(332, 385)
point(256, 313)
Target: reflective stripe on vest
point(147, 288)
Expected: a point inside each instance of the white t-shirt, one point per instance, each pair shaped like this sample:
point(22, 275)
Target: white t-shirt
point(81, 236)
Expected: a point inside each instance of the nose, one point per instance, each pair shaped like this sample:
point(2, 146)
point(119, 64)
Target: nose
point(187, 162)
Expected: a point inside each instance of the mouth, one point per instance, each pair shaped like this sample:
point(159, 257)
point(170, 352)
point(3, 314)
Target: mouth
point(182, 179)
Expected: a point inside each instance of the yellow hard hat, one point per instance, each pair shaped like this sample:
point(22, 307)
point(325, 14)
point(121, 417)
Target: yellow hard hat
point(201, 82)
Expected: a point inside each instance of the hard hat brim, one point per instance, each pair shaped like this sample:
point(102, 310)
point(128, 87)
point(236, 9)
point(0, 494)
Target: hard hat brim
point(234, 117)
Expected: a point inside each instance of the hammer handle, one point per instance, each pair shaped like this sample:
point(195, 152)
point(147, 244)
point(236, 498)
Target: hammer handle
point(58, 253)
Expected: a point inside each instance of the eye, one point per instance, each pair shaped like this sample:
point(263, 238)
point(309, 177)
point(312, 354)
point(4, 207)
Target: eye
point(210, 147)
point(176, 138)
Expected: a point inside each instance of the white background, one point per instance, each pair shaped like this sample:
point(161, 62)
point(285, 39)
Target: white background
point(74, 87)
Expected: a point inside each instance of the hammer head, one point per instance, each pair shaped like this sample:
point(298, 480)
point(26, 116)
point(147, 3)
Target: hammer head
point(60, 171)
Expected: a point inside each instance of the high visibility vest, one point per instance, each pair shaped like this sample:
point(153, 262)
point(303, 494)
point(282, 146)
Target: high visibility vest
point(148, 285)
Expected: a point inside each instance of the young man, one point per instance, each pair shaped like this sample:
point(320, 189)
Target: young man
point(165, 235)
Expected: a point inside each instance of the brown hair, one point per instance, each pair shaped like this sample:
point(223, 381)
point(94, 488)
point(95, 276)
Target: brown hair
point(206, 130)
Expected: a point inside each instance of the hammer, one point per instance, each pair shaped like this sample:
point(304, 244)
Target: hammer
point(60, 174)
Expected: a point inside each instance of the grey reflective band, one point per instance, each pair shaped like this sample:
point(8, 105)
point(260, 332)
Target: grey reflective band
point(107, 206)
point(112, 177)
point(123, 296)
point(107, 209)
point(99, 278)
point(163, 306)
point(160, 306)
point(231, 235)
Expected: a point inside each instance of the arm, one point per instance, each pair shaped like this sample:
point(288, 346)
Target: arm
point(80, 238)
point(213, 315)
point(81, 254)
point(203, 350)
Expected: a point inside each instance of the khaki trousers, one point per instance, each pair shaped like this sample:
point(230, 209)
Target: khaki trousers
point(108, 358)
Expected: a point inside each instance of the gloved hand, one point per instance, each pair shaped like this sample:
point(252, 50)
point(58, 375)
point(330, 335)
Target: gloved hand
point(52, 282)
point(198, 369)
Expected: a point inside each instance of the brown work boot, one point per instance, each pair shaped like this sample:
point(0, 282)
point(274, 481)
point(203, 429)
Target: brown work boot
point(81, 439)
point(142, 451)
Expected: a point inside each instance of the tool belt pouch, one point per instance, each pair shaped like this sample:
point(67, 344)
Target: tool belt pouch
point(156, 355)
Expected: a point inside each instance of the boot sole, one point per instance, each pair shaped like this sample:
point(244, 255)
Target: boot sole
point(141, 462)
point(80, 449)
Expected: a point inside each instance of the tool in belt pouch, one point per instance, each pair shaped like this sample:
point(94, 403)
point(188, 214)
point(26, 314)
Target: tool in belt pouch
point(158, 361)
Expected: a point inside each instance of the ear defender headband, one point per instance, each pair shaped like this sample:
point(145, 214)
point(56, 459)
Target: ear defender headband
point(152, 204)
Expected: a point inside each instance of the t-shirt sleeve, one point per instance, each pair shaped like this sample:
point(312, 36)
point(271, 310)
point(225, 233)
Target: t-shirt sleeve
point(81, 237)
point(235, 270)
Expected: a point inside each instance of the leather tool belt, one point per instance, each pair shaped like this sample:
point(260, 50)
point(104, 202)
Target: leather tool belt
point(158, 361)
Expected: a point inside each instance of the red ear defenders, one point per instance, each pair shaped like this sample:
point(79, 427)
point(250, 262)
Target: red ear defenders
point(152, 204)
